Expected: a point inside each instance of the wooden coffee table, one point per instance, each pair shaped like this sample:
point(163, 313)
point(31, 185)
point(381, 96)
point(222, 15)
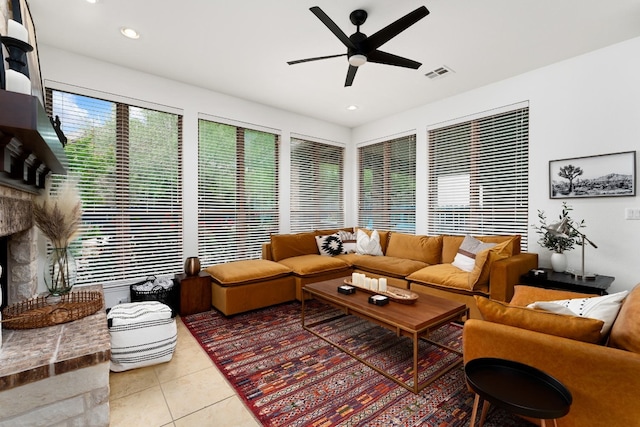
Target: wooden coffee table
point(414, 321)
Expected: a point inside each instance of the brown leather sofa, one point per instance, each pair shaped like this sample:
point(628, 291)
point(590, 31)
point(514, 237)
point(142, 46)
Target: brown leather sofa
point(420, 263)
point(604, 379)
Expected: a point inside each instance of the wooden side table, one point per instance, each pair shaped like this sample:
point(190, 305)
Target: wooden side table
point(195, 293)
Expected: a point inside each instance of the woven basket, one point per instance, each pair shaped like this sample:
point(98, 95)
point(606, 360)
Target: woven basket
point(40, 312)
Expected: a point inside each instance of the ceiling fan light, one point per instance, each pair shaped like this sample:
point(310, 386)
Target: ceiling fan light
point(357, 60)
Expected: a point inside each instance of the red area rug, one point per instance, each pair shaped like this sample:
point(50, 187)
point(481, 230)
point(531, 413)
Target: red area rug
point(289, 377)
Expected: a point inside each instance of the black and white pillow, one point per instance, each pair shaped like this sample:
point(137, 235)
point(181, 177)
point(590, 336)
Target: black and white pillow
point(330, 245)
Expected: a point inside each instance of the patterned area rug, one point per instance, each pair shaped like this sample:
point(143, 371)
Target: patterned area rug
point(289, 377)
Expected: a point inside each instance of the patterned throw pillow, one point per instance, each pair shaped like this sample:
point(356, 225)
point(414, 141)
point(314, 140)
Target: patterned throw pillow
point(366, 245)
point(330, 245)
point(466, 257)
point(603, 308)
point(348, 241)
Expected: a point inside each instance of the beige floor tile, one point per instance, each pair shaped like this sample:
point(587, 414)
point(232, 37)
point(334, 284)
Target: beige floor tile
point(195, 391)
point(129, 382)
point(230, 412)
point(145, 408)
point(187, 359)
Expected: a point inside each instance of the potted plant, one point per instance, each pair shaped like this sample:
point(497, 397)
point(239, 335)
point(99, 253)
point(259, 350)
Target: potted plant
point(559, 236)
point(59, 216)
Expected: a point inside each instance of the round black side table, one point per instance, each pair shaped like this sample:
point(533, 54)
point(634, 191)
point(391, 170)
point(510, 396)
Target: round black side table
point(516, 387)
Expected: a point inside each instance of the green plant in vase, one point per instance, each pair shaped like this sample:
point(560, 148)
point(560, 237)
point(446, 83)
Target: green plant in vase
point(558, 242)
point(59, 215)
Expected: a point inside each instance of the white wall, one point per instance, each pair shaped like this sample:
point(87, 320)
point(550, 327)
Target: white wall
point(584, 106)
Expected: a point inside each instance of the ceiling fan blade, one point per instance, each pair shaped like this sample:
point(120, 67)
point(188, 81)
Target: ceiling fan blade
point(298, 61)
point(351, 74)
point(381, 57)
point(332, 27)
point(390, 31)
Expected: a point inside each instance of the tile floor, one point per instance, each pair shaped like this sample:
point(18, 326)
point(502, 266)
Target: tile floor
point(187, 391)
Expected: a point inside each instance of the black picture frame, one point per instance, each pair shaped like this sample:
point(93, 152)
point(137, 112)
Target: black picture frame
point(604, 175)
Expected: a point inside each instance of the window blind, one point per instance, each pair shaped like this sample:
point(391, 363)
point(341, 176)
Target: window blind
point(478, 176)
point(387, 185)
point(237, 191)
point(317, 200)
point(128, 161)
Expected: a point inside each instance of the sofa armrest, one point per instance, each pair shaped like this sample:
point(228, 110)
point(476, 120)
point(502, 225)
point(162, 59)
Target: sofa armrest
point(505, 274)
point(266, 251)
point(604, 381)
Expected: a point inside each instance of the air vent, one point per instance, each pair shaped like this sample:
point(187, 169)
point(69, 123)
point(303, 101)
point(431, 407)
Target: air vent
point(439, 73)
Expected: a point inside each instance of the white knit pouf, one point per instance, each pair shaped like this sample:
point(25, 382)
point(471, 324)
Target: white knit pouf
point(142, 334)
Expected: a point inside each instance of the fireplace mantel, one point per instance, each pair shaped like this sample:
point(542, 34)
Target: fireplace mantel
point(29, 145)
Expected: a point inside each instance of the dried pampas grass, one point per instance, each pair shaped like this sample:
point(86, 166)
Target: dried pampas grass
point(59, 216)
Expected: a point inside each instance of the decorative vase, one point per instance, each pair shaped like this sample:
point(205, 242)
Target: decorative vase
point(559, 262)
point(192, 266)
point(60, 271)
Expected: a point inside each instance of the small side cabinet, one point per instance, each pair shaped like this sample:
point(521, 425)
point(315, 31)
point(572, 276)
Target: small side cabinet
point(195, 293)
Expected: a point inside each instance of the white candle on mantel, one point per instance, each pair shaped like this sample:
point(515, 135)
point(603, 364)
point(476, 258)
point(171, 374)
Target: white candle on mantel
point(374, 285)
point(17, 82)
point(17, 31)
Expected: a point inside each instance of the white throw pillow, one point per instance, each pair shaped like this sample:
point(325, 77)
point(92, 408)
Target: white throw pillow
point(330, 245)
point(366, 245)
point(603, 308)
point(465, 259)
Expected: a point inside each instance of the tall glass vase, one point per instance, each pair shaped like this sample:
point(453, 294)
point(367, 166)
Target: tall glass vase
point(60, 271)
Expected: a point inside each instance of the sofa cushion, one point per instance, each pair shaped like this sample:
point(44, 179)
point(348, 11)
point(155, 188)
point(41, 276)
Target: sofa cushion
point(443, 275)
point(485, 259)
point(450, 245)
point(246, 271)
point(465, 258)
point(330, 245)
point(572, 327)
point(368, 244)
point(427, 249)
point(386, 265)
point(309, 265)
point(290, 245)
point(524, 295)
point(625, 333)
point(604, 307)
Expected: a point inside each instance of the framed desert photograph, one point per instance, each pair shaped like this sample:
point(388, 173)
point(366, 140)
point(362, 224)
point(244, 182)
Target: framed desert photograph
point(606, 175)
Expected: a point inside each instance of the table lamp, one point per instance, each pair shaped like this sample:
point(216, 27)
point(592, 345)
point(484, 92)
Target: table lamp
point(560, 229)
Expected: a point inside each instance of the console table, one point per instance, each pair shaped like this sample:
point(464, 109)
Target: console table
point(567, 281)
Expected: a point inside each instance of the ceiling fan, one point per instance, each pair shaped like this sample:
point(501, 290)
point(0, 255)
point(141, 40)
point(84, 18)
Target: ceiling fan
point(362, 49)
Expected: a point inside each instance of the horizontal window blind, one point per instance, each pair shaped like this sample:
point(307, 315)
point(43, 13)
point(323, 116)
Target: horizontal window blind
point(237, 191)
point(478, 176)
point(128, 161)
point(317, 200)
point(387, 185)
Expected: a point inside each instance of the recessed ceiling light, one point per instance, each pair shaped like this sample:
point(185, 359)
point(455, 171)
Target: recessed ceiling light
point(129, 32)
point(352, 107)
point(92, 1)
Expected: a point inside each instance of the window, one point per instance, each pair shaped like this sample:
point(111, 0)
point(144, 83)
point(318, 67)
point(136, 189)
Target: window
point(237, 191)
point(478, 176)
point(317, 200)
point(129, 164)
point(387, 182)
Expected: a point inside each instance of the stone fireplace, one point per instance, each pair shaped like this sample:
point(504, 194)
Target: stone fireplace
point(18, 249)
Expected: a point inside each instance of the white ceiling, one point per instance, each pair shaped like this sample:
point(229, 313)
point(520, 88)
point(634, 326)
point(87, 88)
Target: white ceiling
point(241, 47)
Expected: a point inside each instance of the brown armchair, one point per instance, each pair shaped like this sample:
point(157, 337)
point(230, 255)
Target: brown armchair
point(603, 379)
